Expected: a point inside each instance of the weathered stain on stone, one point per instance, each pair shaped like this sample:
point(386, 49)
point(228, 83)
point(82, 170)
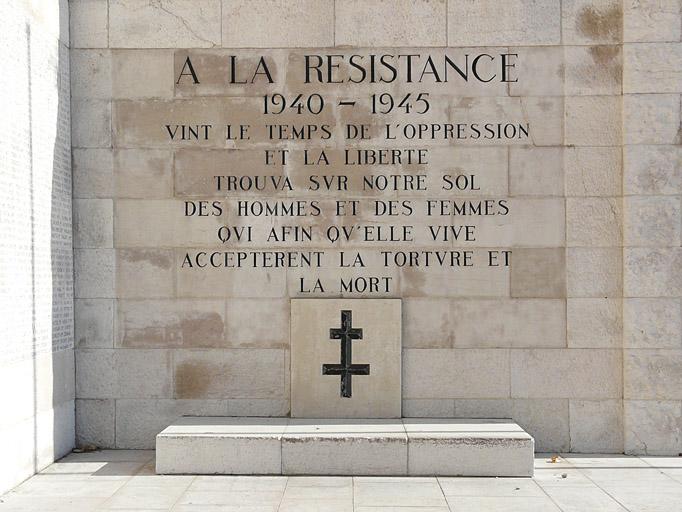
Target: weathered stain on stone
point(156, 258)
point(202, 326)
point(192, 380)
point(608, 57)
point(600, 24)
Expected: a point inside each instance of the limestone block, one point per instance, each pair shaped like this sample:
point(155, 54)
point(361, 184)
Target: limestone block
point(170, 323)
point(402, 23)
point(344, 447)
point(594, 272)
point(240, 373)
point(508, 323)
point(273, 333)
point(651, 118)
point(653, 427)
point(375, 394)
point(466, 447)
point(94, 323)
point(106, 373)
point(652, 221)
point(536, 171)
point(93, 223)
point(168, 24)
point(516, 22)
point(653, 374)
point(483, 408)
point(427, 323)
point(144, 273)
point(93, 273)
point(596, 426)
point(652, 170)
point(643, 61)
point(263, 24)
point(594, 323)
point(594, 221)
point(90, 73)
point(90, 123)
point(143, 173)
point(591, 21)
point(537, 222)
point(440, 373)
point(651, 20)
point(593, 70)
point(488, 164)
point(540, 71)
point(92, 173)
point(566, 373)
point(95, 422)
point(593, 120)
point(95, 374)
point(652, 272)
point(652, 323)
point(254, 446)
point(88, 23)
point(546, 420)
point(428, 408)
point(138, 421)
point(128, 66)
point(593, 171)
point(538, 273)
point(165, 224)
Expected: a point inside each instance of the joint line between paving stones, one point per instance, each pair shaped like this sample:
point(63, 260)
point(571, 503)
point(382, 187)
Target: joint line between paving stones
point(177, 501)
point(604, 490)
point(281, 499)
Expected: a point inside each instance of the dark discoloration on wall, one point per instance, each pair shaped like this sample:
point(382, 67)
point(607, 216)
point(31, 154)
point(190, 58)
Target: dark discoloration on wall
point(192, 380)
point(609, 59)
point(601, 24)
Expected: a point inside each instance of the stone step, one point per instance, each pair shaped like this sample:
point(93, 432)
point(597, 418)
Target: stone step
point(287, 446)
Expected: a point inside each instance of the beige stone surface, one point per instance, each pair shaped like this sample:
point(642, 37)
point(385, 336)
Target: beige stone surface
point(403, 23)
point(517, 22)
point(652, 323)
point(92, 173)
point(652, 170)
point(594, 272)
point(439, 373)
point(91, 73)
point(594, 323)
point(88, 23)
point(596, 425)
point(593, 171)
point(566, 373)
point(314, 395)
point(167, 24)
point(593, 120)
point(651, 20)
point(538, 273)
point(652, 221)
point(94, 326)
point(651, 118)
point(91, 123)
point(648, 60)
point(652, 272)
point(652, 374)
point(144, 273)
point(652, 427)
point(594, 222)
point(289, 24)
point(156, 66)
point(547, 420)
point(143, 173)
point(540, 71)
point(94, 273)
point(253, 373)
point(95, 422)
point(593, 70)
point(536, 171)
point(93, 223)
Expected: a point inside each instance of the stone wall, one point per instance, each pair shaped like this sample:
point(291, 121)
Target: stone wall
point(573, 341)
point(36, 265)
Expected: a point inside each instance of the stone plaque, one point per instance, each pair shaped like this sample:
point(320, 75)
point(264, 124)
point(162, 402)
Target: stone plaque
point(345, 358)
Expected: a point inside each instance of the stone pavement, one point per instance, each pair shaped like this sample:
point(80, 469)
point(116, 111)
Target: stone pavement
point(125, 480)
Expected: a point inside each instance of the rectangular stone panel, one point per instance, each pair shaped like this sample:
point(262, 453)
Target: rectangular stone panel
point(345, 358)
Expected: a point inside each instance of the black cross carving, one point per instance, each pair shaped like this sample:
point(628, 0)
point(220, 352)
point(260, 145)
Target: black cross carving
point(347, 333)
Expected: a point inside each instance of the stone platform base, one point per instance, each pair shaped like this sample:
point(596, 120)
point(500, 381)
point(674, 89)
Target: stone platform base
point(283, 446)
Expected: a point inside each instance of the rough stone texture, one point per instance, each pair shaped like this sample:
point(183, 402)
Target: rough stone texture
point(36, 256)
point(594, 222)
point(290, 24)
point(515, 22)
